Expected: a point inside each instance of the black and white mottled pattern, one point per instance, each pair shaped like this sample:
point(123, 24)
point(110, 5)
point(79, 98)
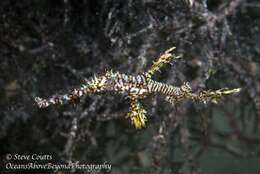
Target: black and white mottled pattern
point(139, 86)
point(117, 82)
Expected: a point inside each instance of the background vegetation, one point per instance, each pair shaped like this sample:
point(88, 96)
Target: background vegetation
point(49, 46)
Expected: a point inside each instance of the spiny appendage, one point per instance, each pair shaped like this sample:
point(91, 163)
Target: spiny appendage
point(96, 84)
point(204, 96)
point(213, 96)
point(137, 113)
point(164, 59)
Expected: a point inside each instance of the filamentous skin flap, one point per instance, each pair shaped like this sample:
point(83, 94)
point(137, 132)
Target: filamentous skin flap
point(137, 87)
